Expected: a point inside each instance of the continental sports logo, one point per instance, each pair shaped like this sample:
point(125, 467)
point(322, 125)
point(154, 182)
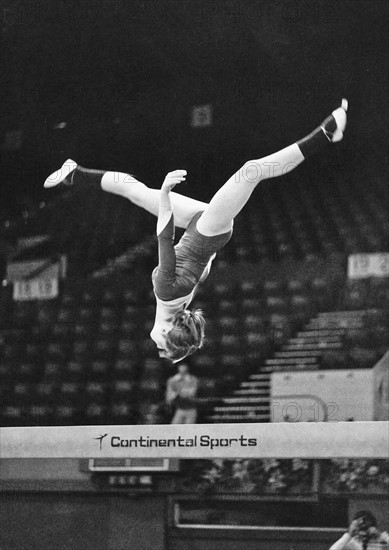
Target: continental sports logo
point(100, 439)
point(179, 441)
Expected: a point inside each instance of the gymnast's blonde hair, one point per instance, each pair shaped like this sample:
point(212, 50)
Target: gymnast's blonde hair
point(186, 336)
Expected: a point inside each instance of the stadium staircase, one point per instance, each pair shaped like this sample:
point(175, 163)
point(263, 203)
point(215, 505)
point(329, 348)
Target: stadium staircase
point(323, 343)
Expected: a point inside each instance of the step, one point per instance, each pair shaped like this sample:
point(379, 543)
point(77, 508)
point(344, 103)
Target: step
point(348, 313)
point(320, 333)
point(290, 368)
point(291, 361)
point(254, 376)
point(238, 418)
point(262, 376)
point(232, 400)
point(312, 338)
point(294, 354)
point(242, 409)
point(344, 324)
point(319, 328)
point(253, 387)
point(336, 328)
point(319, 347)
point(252, 392)
point(259, 376)
point(259, 384)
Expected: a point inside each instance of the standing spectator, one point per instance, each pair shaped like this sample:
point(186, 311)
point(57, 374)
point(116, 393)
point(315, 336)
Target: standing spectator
point(363, 535)
point(181, 392)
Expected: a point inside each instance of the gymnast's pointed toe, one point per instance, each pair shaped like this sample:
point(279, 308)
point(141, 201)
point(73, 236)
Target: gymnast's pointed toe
point(61, 175)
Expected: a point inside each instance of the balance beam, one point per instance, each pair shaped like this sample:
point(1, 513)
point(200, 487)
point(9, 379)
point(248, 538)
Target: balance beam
point(273, 440)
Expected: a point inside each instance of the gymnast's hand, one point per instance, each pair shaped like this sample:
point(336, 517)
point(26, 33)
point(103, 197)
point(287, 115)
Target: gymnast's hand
point(172, 179)
point(354, 527)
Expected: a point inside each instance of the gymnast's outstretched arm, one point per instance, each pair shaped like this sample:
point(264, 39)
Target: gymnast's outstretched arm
point(166, 271)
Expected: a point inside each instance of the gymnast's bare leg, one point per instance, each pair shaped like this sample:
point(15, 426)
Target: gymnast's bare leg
point(218, 216)
point(128, 187)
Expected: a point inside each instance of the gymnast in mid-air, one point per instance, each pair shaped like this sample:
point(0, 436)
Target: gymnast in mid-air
point(178, 331)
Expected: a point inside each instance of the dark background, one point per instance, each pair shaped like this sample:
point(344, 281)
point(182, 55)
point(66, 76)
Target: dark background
point(124, 75)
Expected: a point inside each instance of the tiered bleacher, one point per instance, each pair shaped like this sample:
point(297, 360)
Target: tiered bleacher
point(278, 299)
point(333, 340)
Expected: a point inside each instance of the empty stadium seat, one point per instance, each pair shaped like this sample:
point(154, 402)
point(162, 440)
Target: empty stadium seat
point(249, 288)
point(335, 359)
point(39, 414)
point(272, 287)
point(103, 348)
point(51, 370)
point(363, 358)
point(46, 315)
point(108, 314)
point(227, 306)
point(65, 414)
point(96, 391)
point(123, 386)
point(107, 329)
point(82, 330)
point(95, 413)
point(254, 321)
point(56, 351)
point(222, 290)
point(98, 370)
point(71, 391)
point(62, 331)
point(125, 367)
point(45, 392)
point(251, 305)
point(21, 392)
point(228, 323)
point(276, 304)
point(229, 342)
point(121, 412)
point(203, 362)
point(12, 415)
point(65, 315)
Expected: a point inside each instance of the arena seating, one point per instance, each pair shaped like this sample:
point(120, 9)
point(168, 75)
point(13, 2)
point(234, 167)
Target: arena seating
point(88, 226)
point(86, 356)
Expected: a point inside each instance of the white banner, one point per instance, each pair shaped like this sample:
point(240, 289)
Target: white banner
point(272, 440)
point(36, 289)
point(42, 268)
point(361, 266)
